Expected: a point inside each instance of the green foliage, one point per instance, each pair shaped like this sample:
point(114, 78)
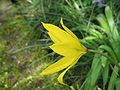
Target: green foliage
point(112, 47)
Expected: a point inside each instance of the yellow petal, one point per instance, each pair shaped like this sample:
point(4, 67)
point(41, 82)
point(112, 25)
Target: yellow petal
point(68, 30)
point(54, 39)
point(60, 78)
point(66, 49)
point(57, 32)
point(59, 65)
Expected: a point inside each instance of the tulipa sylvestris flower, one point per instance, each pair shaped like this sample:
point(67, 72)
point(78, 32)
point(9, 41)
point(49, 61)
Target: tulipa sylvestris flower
point(66, 44)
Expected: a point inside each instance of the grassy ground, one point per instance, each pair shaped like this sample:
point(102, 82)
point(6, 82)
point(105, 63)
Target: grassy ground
point(22, 56)
point(24, 51)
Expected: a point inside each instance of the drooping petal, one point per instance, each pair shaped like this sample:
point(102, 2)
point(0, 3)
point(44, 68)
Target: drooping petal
point(66, 49)
point(59, 65)
point(68, 30)
point(60, 34)
point(60, 78)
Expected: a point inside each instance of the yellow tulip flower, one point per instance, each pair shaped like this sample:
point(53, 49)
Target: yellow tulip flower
point(66, 44)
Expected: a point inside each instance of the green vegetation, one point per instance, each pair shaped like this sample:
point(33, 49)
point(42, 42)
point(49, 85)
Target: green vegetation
point(24, 50)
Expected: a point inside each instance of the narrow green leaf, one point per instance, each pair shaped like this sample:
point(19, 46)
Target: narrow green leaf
point(103, 22)
point(94, 73)
point(109, 17)
point(115, 38)
point(117, 84)
point(109, 50)
point(113, 78)
point(105, 73)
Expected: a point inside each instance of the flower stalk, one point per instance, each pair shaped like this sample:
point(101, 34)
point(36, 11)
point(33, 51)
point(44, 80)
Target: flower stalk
point(108, 57)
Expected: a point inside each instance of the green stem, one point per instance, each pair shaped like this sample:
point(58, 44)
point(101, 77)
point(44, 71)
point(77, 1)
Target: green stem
point(108, 57)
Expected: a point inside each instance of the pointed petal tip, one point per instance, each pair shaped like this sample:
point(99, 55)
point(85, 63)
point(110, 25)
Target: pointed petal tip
point(43, 23)
point(61, 20)
point(61, 82)
point(60, 78)
point(43, 73)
